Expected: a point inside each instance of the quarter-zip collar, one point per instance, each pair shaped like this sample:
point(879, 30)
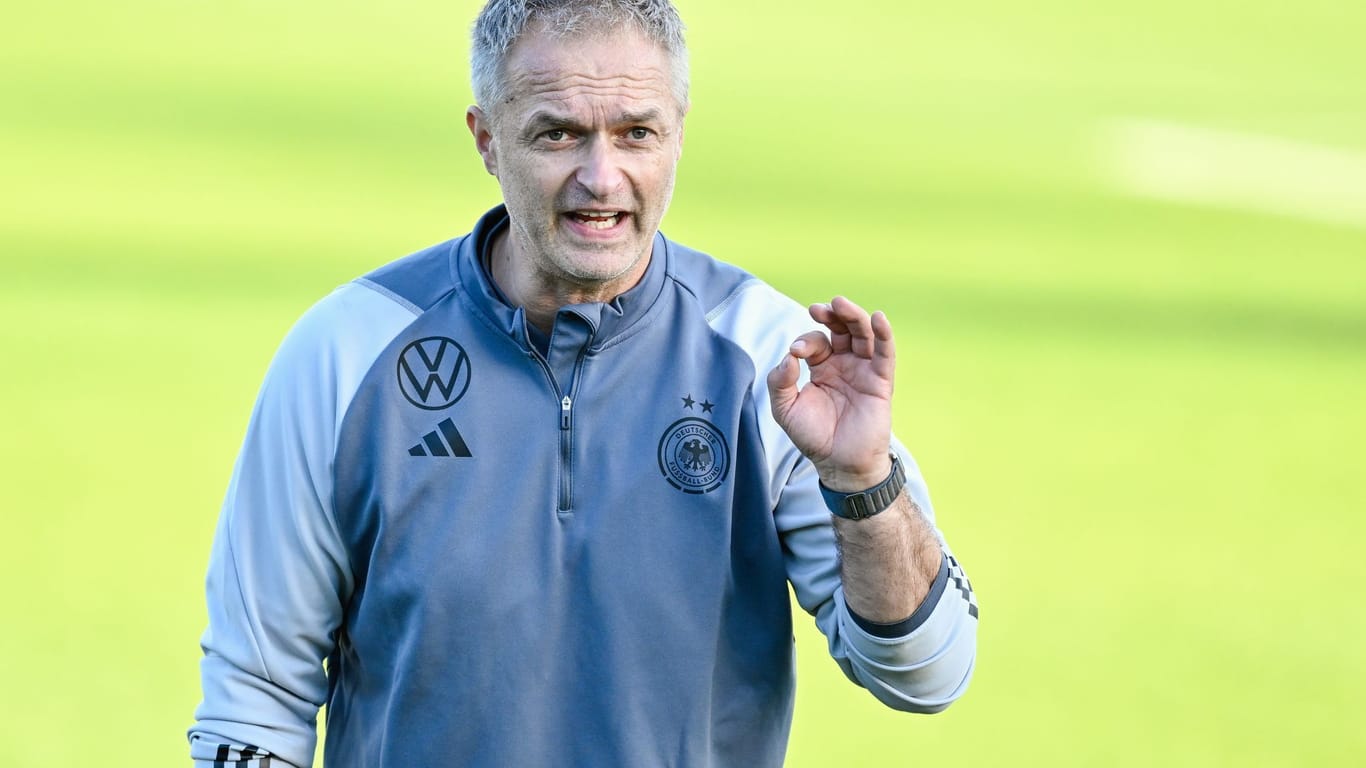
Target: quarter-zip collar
point(605, 322)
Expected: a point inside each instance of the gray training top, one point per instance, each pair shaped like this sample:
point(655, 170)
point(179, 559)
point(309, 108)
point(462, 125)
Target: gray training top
point(514, 551)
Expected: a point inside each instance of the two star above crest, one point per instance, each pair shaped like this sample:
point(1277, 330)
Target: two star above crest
point(706, 405)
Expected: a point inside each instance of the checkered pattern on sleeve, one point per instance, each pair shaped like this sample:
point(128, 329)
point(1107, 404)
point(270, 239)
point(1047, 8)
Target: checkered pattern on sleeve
point(959, 580)
point(242, 756)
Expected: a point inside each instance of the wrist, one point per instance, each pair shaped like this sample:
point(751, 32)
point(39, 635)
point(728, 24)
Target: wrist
point(869, 500)
point(855, 479)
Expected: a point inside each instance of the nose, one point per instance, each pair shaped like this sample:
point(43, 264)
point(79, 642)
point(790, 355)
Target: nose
point(600, 172)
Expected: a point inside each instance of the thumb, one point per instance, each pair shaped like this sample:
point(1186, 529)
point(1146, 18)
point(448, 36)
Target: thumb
point(782, 386)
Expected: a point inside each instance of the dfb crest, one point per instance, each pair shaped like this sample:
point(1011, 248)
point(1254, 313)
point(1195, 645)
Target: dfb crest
point(693, 455)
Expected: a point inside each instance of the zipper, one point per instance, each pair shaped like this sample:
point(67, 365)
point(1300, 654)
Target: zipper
point(566, 454)
point(567, 434)
point(566, 500)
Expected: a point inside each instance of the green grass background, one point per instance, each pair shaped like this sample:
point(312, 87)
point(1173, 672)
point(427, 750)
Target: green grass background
point(1142, 423)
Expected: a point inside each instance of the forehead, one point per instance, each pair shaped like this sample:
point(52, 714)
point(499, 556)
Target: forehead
point(620, 67)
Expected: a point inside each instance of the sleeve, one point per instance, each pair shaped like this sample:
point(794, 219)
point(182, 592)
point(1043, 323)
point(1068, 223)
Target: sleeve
point(922, 664)
point(279, 575)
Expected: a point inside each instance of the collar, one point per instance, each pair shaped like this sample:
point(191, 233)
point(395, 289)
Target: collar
point(606, 321)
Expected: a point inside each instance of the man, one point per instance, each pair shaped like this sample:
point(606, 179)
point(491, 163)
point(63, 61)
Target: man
point(535, 494)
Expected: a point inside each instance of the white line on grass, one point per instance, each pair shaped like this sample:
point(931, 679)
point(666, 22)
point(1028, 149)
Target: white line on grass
point(1224, 169)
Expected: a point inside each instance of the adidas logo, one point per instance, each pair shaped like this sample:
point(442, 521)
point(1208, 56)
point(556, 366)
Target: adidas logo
point(432, 444)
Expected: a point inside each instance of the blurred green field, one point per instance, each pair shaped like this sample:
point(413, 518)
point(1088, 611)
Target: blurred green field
point(1142, 421)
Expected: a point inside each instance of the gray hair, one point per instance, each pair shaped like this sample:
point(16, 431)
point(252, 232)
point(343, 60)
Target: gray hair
point(501, 23)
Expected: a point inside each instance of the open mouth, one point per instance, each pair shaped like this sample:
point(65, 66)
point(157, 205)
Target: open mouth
point(597, 221)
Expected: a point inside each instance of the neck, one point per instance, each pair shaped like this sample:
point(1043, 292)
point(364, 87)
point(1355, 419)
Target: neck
point(542, 294)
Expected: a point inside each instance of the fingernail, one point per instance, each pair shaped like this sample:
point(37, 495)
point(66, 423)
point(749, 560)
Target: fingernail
point(798, 346)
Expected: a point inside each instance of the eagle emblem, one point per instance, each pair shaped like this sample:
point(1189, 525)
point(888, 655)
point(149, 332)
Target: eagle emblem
point(693, 455)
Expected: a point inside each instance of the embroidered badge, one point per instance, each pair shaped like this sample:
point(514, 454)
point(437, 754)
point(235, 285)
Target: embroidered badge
point(693, 455)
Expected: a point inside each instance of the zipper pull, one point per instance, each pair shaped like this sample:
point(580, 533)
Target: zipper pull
point(565, 405)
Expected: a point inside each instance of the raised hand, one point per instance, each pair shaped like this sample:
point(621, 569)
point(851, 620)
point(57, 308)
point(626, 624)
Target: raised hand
point(842, 419)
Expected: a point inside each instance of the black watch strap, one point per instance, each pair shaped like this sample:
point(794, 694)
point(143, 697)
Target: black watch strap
point(862, 504)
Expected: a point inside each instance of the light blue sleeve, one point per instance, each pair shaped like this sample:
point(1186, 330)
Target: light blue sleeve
point(279, 574)
point(928, 666)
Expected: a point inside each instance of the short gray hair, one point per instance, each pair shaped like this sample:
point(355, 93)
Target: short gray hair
point(501, 23)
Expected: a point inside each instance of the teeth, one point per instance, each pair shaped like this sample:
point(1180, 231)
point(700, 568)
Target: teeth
point(597, 219)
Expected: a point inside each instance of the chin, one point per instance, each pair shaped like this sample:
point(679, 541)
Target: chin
point(600, 265)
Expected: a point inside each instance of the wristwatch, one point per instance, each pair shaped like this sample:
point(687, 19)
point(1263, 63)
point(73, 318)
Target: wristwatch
point(861, 504)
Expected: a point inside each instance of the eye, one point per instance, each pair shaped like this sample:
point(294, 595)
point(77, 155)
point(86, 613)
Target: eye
point(556, 134)
point(639, 134)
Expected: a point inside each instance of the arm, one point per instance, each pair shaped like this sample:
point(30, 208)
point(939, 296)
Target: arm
point(279, 574)
point(898, 629)
point(888, 562)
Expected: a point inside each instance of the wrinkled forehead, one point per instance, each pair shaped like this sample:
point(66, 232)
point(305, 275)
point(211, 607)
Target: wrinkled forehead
point(619, 61)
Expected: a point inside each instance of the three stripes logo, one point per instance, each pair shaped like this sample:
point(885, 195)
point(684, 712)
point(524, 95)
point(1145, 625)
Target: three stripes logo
point(445, 440)
point(433, 372)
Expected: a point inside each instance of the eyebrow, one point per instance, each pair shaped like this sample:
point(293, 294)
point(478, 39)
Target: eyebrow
point(644, 116)
point(545, 119)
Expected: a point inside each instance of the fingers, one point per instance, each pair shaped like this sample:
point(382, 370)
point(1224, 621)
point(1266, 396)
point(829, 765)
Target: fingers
point(813, 347)
point(884, 345)
point(852, 329)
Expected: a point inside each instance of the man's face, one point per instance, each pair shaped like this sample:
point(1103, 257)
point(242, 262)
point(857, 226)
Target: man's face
point(585, 152)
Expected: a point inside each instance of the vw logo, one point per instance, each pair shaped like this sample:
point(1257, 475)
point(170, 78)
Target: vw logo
point(433, 372)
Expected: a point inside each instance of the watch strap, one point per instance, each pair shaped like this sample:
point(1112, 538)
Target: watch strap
point(863, 504)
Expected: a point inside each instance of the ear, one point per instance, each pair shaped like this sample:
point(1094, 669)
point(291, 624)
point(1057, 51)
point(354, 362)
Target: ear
point(482, 131)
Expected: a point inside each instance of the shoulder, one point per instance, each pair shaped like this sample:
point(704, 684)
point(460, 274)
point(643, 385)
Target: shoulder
point(739, 306)
point(334, 344)
point(348, 317)
point(418, 280)
point(367, 312)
